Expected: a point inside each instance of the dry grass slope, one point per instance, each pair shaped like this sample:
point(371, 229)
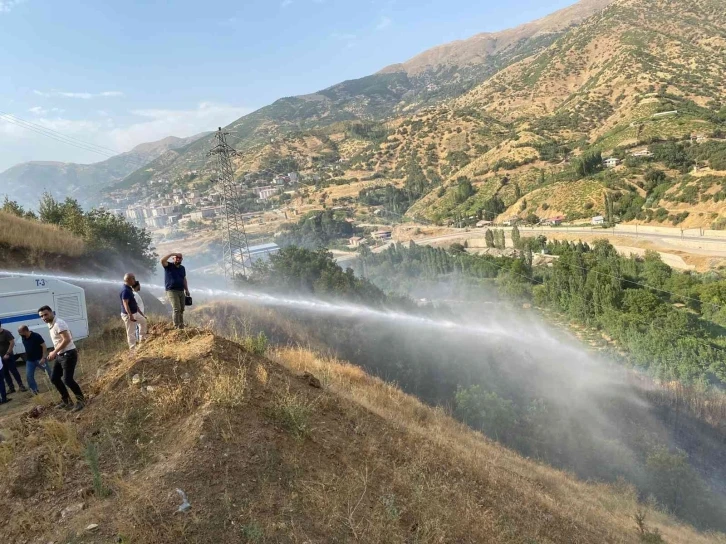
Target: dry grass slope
point(265, 457)
point(20, 233)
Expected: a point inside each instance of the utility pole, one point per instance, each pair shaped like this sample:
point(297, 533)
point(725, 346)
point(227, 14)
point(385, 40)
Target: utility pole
point(236, 249)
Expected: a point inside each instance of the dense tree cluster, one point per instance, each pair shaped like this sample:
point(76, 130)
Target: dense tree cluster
point(627, 298)
point(108, 236)
point(300, 271)
point(508, 392)
point(316, 230)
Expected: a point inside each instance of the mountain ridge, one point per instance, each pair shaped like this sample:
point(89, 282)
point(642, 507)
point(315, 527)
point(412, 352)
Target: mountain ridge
point(482, 45)
point(82, 180)
point(392, 91)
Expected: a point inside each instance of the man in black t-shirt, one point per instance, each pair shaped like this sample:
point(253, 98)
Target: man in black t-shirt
point(130, 312)
point(10, 371)
point(177, 289)
point(36, 355)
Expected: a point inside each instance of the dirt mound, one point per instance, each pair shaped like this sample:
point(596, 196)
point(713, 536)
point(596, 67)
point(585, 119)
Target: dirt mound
point(296, 450)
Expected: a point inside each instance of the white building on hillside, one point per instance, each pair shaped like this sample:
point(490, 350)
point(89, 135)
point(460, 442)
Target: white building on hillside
point(612, 162)
point(266, 192)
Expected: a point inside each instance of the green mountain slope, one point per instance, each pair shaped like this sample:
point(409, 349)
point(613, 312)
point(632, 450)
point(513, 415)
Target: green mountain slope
point(432, 77)
point(633, 75)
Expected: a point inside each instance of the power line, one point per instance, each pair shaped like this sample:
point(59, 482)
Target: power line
point(105, 152)
point(55, 132)
point(53, 137)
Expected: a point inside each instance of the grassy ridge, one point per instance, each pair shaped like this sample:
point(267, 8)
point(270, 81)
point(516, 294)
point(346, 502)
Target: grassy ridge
point(355, 460)
point(27, 234)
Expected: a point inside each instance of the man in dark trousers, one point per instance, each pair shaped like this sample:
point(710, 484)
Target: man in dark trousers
point(175, 281)
point(10, 371)
point(3, 394)
point(65, 356)
point(130, 312)
point(36, 355)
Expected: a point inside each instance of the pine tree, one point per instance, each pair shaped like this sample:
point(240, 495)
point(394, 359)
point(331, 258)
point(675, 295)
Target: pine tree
point(489, 238)
point(500, 241)
point(516, 238)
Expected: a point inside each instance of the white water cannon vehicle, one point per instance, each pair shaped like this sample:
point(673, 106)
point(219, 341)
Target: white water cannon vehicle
point(21, 296)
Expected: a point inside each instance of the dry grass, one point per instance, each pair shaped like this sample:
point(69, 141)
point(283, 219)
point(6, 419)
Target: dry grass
point(292, 412)
point(61, 442)
point(226, 386)
point(610, 509)
point(265, 457)
point(18, 232)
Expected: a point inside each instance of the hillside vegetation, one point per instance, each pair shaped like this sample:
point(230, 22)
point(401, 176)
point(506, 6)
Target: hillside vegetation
point(32, 236)
point(91, 240)
point(285, 448)
point(514, 114)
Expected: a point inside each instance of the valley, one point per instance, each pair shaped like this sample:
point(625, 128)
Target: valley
point(483, 299)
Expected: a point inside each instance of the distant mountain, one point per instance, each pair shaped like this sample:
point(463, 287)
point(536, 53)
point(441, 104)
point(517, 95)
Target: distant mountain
point(639, 73)
point(511, 113)
point(24, 182)
point(436, 75)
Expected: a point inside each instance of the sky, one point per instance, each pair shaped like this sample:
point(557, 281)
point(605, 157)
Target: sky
point(117, 74)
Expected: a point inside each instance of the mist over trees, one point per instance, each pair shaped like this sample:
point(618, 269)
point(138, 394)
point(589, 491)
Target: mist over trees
point(515, 385)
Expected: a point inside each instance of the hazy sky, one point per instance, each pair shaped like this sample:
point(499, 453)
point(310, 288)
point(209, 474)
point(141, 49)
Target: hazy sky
point(125, 72)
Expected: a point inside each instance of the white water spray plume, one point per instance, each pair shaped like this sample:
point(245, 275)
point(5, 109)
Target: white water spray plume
point(576, 410)
point(320, 306)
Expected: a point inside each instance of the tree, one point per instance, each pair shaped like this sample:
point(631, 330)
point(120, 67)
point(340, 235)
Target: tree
point(104, 232)
point(499, 239)
point(464, 190)
point(516, 237)
point(532, 219)
point(489, 238)
point(486, 411)
point(608, 209)
point(12, 207)
point(50, 210)
point(653, 178)
point(588, 164)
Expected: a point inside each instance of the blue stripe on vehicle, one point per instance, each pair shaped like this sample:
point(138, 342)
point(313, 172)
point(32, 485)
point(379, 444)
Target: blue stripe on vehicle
point(16, 318)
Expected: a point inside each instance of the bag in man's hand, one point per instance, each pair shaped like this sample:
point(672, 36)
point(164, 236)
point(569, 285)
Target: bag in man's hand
point(187, 301)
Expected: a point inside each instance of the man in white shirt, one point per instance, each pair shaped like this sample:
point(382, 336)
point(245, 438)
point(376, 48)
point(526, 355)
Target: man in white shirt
point(65, 356)
point(140, 306)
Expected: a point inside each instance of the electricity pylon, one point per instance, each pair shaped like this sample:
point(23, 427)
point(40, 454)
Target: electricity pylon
point(236, 249)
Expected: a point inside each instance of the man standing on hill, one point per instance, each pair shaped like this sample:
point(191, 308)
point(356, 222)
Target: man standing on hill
point(130, 312)
point(10, 371)
point(175, 281)
point(140, 304)
point(65, 356)
point(36, 355)
point(3, 394)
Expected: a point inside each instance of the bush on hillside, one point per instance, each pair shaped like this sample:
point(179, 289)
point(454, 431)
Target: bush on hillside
point(105, 234)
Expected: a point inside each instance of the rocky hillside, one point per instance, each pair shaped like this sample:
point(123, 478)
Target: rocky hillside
point(80, 181)
point(197, 439)
point(442, 73)
point(627, 78)
point(501, 125)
